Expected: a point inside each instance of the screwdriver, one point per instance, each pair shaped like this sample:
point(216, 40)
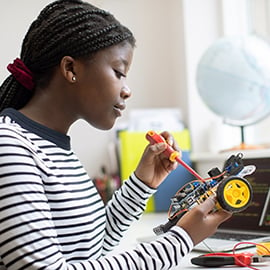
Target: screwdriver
point(172, 154)
point(221, 259)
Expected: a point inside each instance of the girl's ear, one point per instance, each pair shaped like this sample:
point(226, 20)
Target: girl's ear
point(67, 68)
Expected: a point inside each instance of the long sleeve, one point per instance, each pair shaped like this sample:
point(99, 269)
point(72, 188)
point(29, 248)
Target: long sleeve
point(164, 253)
point(127, 205)
point(29, 239)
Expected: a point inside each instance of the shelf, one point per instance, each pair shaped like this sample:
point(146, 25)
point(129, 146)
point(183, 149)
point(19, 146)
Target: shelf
point(208, 156)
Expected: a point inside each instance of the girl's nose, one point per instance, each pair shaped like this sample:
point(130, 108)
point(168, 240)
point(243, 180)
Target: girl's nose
point(125, 92)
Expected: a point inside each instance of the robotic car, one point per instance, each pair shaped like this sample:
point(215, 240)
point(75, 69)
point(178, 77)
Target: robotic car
point(232, 191)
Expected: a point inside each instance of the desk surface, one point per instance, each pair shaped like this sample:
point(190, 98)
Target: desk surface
point(143, 230)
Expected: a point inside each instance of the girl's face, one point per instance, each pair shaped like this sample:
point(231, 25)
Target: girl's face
point(101, 86)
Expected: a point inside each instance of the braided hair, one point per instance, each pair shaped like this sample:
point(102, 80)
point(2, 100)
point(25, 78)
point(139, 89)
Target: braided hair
point(64, 27)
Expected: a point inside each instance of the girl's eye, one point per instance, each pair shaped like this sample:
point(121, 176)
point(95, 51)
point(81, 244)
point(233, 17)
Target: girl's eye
point(119, 74)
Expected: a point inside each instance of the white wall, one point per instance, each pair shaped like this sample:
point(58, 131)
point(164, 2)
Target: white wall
point(171, 37)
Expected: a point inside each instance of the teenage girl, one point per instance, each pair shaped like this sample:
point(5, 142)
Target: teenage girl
point(73, 65)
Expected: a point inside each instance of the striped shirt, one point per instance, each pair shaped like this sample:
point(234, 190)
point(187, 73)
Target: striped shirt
point(51, 215)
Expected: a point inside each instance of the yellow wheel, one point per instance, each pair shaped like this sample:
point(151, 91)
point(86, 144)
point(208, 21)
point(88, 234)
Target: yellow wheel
point(234, 194)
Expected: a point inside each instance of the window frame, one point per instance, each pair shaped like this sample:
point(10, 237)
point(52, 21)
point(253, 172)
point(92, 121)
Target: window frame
point(259, 18)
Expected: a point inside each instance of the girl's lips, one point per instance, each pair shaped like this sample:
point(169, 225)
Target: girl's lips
point(119, 108)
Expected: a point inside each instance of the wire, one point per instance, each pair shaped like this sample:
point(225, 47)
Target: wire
point(177, 213)
point(247, 243)
point(216, 176)
point(243, 259)
point(208, 247)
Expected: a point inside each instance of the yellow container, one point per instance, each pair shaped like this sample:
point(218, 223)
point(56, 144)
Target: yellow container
point(132, 145)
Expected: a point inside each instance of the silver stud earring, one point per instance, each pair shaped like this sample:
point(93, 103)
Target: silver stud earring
point(73, 78)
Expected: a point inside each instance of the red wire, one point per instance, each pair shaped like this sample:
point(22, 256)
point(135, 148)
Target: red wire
point(214, 177)
point(240, 262)
point(177, 213)
point(248, 243)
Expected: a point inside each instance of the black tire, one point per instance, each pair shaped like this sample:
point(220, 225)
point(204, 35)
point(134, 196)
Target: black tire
point(234, 194)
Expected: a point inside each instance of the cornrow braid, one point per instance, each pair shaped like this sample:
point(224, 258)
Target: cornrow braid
point(64, 27)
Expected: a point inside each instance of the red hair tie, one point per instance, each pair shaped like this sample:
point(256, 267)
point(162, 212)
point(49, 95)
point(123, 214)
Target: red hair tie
point(21, 73)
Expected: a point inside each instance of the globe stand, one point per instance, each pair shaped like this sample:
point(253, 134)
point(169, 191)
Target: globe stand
point(243, 145)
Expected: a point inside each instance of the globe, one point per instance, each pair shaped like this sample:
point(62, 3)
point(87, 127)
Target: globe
point(233, 79)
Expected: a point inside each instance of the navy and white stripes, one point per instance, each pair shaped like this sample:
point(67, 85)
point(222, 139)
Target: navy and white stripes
point(51, 216)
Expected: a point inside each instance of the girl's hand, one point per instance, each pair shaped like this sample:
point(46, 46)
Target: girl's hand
point(154, 166)
point(201, 221)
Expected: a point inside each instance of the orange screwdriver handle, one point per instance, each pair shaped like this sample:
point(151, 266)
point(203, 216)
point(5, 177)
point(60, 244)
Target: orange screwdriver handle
point(153, 138)
point(172, 154)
